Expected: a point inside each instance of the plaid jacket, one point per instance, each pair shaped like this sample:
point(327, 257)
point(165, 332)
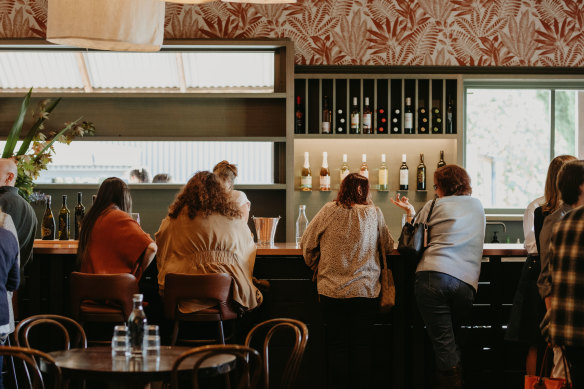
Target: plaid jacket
point(567, 298)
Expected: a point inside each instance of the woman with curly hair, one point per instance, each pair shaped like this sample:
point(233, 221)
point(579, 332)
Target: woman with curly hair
point(447, 276)
point(227, 172)
point(341, 244)
point(204, 233)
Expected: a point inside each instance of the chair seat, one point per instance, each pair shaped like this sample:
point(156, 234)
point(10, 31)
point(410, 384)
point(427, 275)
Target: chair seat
point(208, 314)
point(96, 312)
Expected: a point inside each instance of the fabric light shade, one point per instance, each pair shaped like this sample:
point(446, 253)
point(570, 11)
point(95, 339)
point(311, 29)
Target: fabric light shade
point(120, 25)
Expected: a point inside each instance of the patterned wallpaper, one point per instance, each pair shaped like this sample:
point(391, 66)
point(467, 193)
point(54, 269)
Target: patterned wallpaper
point(374, 32)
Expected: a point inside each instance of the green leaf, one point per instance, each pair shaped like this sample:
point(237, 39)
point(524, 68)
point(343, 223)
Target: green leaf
point(64, 130)
point(16, 127)
point(35, 128)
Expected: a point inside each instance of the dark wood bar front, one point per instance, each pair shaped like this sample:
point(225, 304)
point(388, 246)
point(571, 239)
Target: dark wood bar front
point(403, 357)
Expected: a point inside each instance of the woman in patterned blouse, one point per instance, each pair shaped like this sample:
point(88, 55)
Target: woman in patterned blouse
point(341, 246)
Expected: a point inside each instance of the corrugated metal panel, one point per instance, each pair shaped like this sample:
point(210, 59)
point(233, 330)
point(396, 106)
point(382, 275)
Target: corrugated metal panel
point(23, 70)
point(222, 70)
point(132, 70)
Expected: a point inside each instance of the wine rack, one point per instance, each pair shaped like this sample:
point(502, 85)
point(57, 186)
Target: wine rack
point(434, 104)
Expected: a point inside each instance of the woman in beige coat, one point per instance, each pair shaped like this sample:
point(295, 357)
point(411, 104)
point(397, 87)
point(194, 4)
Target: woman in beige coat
point(204, 233)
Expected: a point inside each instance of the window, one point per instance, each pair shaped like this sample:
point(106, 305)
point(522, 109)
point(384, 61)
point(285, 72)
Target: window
point(512, 133)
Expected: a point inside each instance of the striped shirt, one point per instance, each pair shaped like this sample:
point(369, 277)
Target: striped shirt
point(567, 298)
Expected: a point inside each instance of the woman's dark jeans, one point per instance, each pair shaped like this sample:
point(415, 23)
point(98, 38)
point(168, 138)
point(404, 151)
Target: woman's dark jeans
point(443, 301)
point(349, 336)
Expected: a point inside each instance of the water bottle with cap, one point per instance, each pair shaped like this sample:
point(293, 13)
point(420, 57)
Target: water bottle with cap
point(301, 223)
point(136, 324)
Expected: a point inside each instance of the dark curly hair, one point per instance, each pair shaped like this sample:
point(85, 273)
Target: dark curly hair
point(453, 180)
point(354, 190)
point(206, 194)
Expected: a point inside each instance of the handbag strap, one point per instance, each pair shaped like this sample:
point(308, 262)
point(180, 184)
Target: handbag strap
point(431, 209)
point(566, 368)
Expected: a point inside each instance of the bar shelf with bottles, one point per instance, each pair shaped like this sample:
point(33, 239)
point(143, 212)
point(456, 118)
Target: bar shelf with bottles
point(376, 106)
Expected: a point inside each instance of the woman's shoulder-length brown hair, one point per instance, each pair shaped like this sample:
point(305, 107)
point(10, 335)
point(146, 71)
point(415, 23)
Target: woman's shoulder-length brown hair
point(206, 194)
point(453, 180)
point(354, 190)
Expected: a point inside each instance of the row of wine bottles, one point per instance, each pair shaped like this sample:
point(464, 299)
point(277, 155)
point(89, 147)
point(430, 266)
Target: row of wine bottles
point(363, 123)
point(48, 228)
point(383, 173)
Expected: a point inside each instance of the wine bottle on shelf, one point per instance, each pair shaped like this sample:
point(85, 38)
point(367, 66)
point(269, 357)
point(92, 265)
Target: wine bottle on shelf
point(396, 120)
point(301, 223)
point(449, 116)
point(423, 119)
point(326, 124)
point(441, 162)
point(408, 117)
point(48, 223)
point(299, 117)
point(79, 214)
point(421, 174)
point(381, 121)
point(64, 220)
point(341, 122)
point(364, 169)
point(306, 175)
point(403, 174)
point(367, 118)
point(436, 121)
point(383, 174)
point(344, 168)
point(325, 174)
point(355, 127)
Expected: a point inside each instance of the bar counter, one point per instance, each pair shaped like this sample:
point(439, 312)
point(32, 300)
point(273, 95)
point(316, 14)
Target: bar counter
point(60, 247)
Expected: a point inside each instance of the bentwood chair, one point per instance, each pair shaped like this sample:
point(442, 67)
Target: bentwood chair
point(71, 333)
point(102, 298)
point(215, 288)
point(245, 367)
point(299, 333)
point(34, 375)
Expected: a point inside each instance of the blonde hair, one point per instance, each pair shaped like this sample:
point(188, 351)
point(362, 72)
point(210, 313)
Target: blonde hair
point(226, 172)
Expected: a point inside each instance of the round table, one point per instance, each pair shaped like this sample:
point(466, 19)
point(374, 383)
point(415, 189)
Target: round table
point(97, 363)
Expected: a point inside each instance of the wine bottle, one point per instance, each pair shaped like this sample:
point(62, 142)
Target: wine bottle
point(364, 169)
point(422, 119)
point(383, 174)
point(137, 323)
point(341, 127)
point(299, 120)
point(326, 117)
point(367, 118)
point(436, 121)
point(403, 174)
point(79, 214)
point(306, 176)
point(408, 117)
point(381, 121)
point(301, 223)
point(449, 116)
point(441, 162)
point(344, 168)
point(421, 174)
point(355, 127)
point(325, 174)
point(396, 120)
point(64, 220)
point(48, 224)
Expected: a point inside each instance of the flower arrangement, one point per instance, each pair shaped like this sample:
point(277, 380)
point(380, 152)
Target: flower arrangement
point(36, 150)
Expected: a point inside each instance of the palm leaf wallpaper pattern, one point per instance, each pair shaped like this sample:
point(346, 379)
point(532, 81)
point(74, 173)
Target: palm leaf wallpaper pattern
point(373, 32)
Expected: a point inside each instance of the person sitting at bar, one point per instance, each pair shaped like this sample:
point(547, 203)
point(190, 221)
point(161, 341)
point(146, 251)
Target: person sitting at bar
point(110, 241)
point(341, 246)
point(447, 276)
point(227, 173)
point(204, 233)
point(161, 178)
point(139, 176)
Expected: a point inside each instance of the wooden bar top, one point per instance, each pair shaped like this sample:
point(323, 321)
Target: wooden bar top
point(281, 249)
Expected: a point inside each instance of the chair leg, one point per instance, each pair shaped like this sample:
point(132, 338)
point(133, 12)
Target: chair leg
point(220, 329)
point(10, 364)
point(174, 333)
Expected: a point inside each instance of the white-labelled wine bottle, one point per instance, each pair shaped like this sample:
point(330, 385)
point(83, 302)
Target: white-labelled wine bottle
point(344, 168)
point(441, 162)
point(367, 118)
point(383, 174)
point(403, 174)
point(325, 174)
point(355, 125)
point(306, 175)
point(64, 220)
point(408, 117)
point(421, 174)
point(48, 223)
point(327, 116)
point(364, 169)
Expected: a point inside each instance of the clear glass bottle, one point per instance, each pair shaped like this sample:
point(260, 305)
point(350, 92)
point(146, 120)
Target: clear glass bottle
point(364, 169)
point(344, 169)
point(383, 174)
point(306, 175)
point(301, 223)
point(136, 324)
point(325, 174)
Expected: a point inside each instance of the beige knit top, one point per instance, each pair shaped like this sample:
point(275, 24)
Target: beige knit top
point(343, 244)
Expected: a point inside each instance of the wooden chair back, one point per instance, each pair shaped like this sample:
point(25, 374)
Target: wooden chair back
point(29, 357)
point(51, 323)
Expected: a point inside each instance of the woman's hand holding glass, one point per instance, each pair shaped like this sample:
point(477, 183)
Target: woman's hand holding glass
point(404, 204)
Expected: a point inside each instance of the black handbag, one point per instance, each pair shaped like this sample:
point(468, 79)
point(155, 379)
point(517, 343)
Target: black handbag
point(414, 238)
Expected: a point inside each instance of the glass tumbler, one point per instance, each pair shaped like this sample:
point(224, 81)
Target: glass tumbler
point(151, 346)
point(121, 342)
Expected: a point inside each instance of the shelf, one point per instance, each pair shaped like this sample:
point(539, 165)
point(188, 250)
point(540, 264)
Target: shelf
point(172, 186)
point(375, 136)
point(149, 95)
